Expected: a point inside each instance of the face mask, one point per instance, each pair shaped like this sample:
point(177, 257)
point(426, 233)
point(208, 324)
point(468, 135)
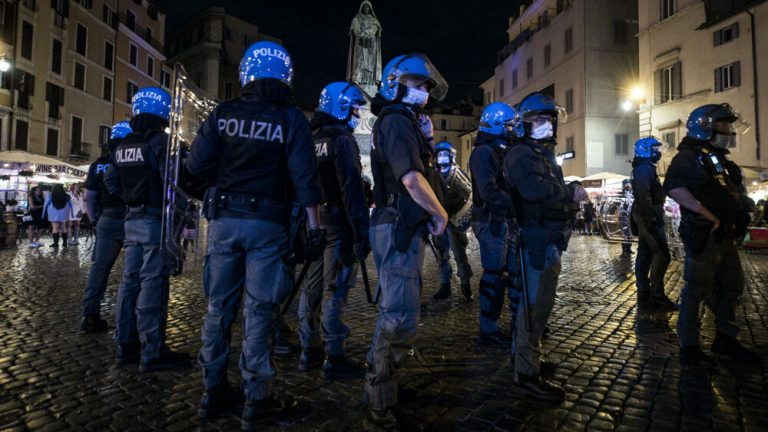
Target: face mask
point(655, 156)
point(543, 131)
point(416, 97)
point(721, 140)
point(445, 168)
point(353, 122)
point(443, 160)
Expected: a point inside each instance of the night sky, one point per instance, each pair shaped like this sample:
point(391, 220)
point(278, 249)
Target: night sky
point(460, 37)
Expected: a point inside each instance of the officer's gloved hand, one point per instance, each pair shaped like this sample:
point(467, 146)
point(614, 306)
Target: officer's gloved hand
point(425, 124)
point(315, 245)
point(362, 248)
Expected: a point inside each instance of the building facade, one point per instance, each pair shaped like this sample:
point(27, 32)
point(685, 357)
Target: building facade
point(66, 72)
point(450, 123)
point(210, 48)
point(695, 52)
point(584, 54)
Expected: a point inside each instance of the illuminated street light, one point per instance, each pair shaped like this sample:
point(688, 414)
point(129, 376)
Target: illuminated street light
point(627, 105)
point(637, 93)
point(4, 64)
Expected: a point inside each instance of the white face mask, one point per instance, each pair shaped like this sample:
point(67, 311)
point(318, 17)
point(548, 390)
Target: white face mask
point(543, 131)
point(415, 96)
point(353, 122)
point(443, 160)
point(721, 140)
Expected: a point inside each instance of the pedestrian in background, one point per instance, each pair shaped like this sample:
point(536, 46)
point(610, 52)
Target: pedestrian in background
point(58, 211)
point(36, 223)
point(76, 198)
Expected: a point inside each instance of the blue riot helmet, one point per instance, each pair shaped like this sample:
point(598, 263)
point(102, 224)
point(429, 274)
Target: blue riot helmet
point(648, 147)
point(266, 60)
point(530, 119)
point(403, 74)
point(340, 100)
point(716, 123)
point(120, 130)
point(496, 119)
point(152, 100)
point(446, 154)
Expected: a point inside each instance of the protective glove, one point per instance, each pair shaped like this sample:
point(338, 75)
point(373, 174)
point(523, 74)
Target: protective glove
point(315, 245)
point(425, 124)
point(362, 248)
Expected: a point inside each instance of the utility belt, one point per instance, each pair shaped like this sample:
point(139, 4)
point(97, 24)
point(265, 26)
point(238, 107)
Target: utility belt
point(551, 212)
point(245, 206)
point(695, 232)
point(144, 211)
point(113, 212)
point(409, 218)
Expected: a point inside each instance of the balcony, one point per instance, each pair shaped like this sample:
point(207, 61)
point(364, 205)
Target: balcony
point(80, 150)
point(140, 31)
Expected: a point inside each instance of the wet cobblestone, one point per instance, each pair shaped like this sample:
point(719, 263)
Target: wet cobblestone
point(616, 378)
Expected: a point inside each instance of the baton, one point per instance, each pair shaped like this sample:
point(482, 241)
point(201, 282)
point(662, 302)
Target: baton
point(366, 283)
point(523, 276)
point(296, 286)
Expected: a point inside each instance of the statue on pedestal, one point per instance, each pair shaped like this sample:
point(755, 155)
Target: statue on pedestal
point(364, 62)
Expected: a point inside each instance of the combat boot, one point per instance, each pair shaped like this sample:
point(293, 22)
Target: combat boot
point(125, 354)
point(340, 367)
point(731, 347)
point(385, 419)
point(662, 303)
point(218, 400)
point(311, 358)
point(537, 388)
point(466, 290)
point(692, 355)
point(93, 324)
point(444, 292)
point(166, 360)
point(496, 338)
point(257, 413)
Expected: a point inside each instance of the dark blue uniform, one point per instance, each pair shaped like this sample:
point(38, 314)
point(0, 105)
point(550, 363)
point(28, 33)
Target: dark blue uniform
point(258, 158)
point(110, 233)
point(344, 215)
point(142, 300)
point(491, 210)
point(545, 211)
point(648, 214)
point(399, 147)
point(453, 241)
point(712, 264)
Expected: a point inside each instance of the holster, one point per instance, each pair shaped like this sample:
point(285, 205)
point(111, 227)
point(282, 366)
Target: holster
point(211, 202)
point(298, 236)
point(695, 233)
point(536, 241)
point(411, 220)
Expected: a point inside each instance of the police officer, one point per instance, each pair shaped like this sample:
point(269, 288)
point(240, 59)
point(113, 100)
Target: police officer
point(492, 209)
point(453, 240)
point(648, 215)
point(715, 215)
point(344, 215)
point(407, 206)
point(545, 208)
point(255, 152)
point(136, 174)
point(107, 211)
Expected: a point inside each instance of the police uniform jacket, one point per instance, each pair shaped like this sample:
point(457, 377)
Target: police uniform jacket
point(648, 193)
point(250, 146)
point(95, 182)
point(340, 172)
point(489, 193)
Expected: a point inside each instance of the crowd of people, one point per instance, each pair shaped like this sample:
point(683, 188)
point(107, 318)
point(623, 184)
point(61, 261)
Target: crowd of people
point(60, 209)
point(269, 175)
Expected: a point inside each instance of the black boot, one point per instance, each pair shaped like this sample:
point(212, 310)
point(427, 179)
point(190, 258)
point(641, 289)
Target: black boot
point(311, 358)
point(284, 347)
point(167, 360)
point(257, 413)
point(731, 347)
point(125, 354)
point(537, 388)
point(497, 338)
point(466, 289)
point(340, 367)
point(692, 355)
point(444, 292)
point(93, 324)
point(643, 299)
point(662, 303)
point(64, 240)
point(55, 241)
point(385, 419)
point(218, 400)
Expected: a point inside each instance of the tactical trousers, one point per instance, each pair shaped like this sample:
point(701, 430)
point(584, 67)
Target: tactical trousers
point(400, 282)
point(652, 256)
point(716, 277)
point(110, 233)
point(497, 255)
point(541, 286)
point(454, 241)
point(244, 261)
point(142, 299)
point(336, 271)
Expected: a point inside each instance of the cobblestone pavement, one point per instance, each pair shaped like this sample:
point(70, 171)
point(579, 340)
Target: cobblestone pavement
point(616, 378)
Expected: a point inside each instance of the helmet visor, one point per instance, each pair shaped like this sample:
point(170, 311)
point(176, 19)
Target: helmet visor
point(436, 84)
point(358, 97)
point(558, 115)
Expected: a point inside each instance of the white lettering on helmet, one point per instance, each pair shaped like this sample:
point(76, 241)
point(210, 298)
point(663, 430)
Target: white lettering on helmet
point(271, 52)
point(149, 95)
